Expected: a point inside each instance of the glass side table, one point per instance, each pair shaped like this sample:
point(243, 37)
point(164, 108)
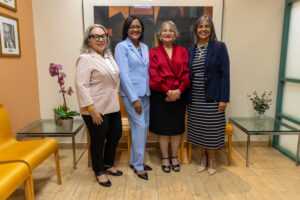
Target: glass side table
point(267, 126)
point(47, 128)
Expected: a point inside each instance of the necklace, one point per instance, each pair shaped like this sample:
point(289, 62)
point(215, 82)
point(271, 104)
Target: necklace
point(201, 51)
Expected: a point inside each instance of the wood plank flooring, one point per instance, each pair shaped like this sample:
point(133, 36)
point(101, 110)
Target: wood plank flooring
point(271, 175)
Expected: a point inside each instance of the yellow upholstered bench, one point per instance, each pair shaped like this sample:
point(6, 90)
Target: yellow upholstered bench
point(31, 152)
point(228, 132)
point(12, 175)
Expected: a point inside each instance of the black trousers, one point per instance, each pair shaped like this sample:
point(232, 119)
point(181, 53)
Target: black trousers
point(109, 130)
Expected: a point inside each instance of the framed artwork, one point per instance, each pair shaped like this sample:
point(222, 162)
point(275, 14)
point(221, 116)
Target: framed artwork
point(112, 14)
point(9, 4)
point(9, 36)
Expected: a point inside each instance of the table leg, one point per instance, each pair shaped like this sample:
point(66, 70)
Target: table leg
point(297, 154)
point(74, 153)
point(247, 152)
point(270, 140)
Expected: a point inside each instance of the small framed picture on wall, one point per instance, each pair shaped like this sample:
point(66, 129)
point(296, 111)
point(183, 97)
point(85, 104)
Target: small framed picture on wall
point(9, 4)
point(9, 36)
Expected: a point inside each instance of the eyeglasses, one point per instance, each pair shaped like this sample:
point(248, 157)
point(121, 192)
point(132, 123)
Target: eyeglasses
point(134, 27)
point(97, 37)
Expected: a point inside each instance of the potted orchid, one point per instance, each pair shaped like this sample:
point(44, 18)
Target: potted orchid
point(56, 110)
point(260, 103)
point(62, 112)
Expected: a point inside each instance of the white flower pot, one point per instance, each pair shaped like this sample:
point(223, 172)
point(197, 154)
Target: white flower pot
point(67, 124)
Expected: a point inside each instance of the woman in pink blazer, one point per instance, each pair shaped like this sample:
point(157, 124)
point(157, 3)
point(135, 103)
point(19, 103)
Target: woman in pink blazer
point(97, 81)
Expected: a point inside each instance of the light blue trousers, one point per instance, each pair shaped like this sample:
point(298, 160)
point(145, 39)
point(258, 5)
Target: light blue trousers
point(139, 129)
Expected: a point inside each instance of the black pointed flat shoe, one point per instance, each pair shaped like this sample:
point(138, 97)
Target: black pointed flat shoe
point(104, 184)
point(146, 167)
point(142, 176)
point(117, 173)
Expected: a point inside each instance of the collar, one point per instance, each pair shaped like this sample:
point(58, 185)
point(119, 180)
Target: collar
point(128, 40)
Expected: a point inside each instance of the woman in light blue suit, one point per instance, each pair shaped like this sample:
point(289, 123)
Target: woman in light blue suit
point(133, 60)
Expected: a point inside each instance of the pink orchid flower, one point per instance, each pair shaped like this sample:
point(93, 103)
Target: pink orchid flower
point(70, 91)
point(56, 70)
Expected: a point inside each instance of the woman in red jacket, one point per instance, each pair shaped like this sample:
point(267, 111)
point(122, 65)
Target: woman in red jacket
point(169, 79)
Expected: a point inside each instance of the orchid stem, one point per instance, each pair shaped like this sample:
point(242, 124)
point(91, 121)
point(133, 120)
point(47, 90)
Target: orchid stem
point(63, 94)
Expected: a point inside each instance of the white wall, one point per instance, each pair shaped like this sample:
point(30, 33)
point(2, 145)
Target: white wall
point(58, 32)
point(252, 30)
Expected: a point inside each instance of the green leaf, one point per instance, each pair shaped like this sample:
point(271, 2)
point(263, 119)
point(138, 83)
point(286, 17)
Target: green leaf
point(72, 114)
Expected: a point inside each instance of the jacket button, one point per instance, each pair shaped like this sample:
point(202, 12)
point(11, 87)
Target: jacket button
point(205, 78)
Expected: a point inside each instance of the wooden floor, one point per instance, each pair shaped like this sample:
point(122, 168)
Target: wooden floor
point(270, 176)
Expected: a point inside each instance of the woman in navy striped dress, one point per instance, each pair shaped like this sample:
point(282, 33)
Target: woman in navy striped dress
point(209, 92)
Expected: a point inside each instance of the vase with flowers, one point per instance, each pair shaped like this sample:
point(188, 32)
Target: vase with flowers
point(62, 112)
point(260, 103)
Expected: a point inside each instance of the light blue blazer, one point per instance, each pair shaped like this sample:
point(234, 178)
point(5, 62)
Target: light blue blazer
point(134, 69)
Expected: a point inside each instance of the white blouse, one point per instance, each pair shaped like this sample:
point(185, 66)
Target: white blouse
point(109, 64)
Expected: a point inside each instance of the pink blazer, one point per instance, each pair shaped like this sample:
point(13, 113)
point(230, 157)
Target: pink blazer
point(96, 84)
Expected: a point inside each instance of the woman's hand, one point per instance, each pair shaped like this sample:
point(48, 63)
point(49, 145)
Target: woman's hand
point(222, 106)
point(177, 93)
point(173, 95)
point(168, 99)
point(138, 107)
point(96, 116)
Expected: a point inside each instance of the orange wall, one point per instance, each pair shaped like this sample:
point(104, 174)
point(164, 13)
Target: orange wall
point(18, 76)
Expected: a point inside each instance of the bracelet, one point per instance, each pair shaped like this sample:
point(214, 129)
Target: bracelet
point(91, 108)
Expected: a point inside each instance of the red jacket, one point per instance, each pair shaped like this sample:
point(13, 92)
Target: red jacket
point(166, 74)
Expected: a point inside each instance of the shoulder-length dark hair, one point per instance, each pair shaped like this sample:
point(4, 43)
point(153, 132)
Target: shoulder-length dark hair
point(211, 24)
point(126, 25)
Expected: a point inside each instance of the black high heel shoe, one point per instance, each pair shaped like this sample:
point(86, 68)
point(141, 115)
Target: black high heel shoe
point(175, 166)
point(164, 167)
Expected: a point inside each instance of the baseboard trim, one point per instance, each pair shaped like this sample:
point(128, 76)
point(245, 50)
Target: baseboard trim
point(252, 143)
point(155, 145)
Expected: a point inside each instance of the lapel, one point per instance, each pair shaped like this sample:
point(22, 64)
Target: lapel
point(193, 51)
point(211, 46)
point(145, 53)
point(113, 62)
point(134, 49)
point(102, 64)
